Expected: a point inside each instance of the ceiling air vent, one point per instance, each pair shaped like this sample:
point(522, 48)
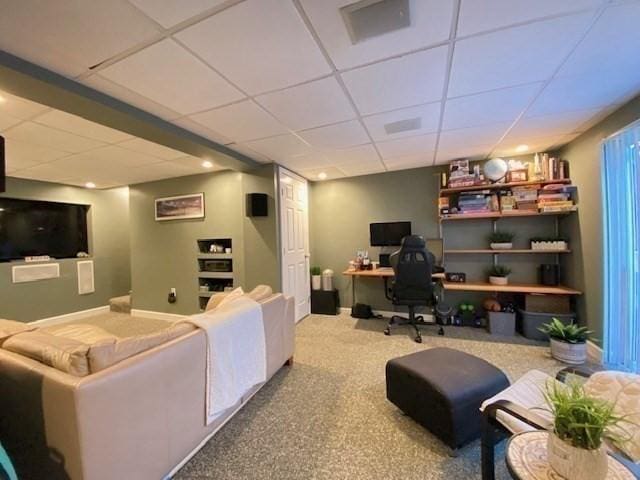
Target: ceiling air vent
point(403, 125)
point(370, 18)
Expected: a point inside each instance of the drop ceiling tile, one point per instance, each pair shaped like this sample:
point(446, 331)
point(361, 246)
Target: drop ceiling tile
point(240, 121)
point(159, 171)
point(260, 45)
point(361, 155)
point(243, 149)
point(473, 17)
point(514, 56)
point(469, 137)
point(489, 107)
point(508, 146)
point(340, 135)
point(418, 145)
point(36, 134)
point(454, 152)
point(201, 130)
point(71, 36)
point(313, 104)
point(21, 155)
point(195, 163)
point(80, 126)
point(610, 46)
point(45, 172)
point(400, 82)
point(548, 125)
point(566, 94)
point(7, 121)
point(141, 145)
point(313, 160)
point(331, 173)
point(430, 24)
point(280, 148)
point(19, 107)
point(129, 96)
point(404, 162)
point(169, 12)
point(428, 115)
point(169, 75)
point(356, 169)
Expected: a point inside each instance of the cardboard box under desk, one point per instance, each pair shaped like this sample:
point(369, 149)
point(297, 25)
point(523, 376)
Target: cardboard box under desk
point(539, 303)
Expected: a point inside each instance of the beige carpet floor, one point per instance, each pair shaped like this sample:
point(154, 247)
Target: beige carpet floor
point(327, 417)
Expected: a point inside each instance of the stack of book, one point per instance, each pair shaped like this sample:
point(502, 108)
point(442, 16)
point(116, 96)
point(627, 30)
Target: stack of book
point(556, 198)
point(462, 181)
point(526, 198)
point(474, 202)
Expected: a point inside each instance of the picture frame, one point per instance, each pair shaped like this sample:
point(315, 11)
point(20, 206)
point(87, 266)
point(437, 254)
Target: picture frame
point(180, 207)
point(517, 176)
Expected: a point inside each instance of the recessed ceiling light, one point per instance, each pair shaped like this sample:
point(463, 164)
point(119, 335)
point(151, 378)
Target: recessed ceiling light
point(522, 148)
point(207, 164)
point(1, 209)
point(322, 175)
point(2, 99)
point(90, 185)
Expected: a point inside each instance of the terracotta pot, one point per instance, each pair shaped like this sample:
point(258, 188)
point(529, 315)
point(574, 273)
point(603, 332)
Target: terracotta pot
point(502, 246)
point(498, 280)
point(571, 353)
point(316, 282)
point(574, 463)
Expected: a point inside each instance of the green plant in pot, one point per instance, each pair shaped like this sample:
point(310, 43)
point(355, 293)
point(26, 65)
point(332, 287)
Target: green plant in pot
point(316, 278)
point(568, 341)
point(499, 275)
point(575, 447)
point(501, 240)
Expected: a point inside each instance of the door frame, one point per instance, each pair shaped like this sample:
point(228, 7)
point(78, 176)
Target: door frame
point(278, 170)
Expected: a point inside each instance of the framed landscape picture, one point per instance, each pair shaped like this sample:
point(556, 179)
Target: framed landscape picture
point(180, 207)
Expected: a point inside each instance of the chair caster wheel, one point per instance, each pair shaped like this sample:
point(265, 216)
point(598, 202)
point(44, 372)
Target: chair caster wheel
point(441, 331)
point(386, 331)
point(418, 339)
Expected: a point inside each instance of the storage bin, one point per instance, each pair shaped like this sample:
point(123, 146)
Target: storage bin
point(502, 323)
point(531, 321)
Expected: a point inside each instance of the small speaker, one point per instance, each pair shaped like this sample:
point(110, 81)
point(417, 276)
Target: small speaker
point(3, 167)
point(257, 205)
point(550, 274)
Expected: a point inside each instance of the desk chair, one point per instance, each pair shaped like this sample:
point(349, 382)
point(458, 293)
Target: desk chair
point(413, 285)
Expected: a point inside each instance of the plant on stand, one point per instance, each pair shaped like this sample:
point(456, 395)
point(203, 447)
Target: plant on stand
point(501, 240)
point(316, 278)
point(575, 447)
point(568, 341)
point(499, 275)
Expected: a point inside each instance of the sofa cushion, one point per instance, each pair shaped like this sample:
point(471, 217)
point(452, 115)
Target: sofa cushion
point(65, 354)
point(261, 292)
point(82, 332)
point(231, 296)
point(9, 328)
point(109, 352)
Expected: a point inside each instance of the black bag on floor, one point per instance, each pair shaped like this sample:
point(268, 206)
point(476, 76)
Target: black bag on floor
point(361, 310)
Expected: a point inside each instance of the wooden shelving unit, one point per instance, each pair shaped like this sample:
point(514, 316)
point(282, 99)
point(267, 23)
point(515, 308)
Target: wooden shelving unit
point(511, 288)
point(498, 215)
point(503, 252)
point(500, 186)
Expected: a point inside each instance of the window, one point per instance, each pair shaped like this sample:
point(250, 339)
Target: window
point(621, 186)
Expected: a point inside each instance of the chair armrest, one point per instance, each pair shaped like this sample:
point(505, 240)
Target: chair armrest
point(517, 411)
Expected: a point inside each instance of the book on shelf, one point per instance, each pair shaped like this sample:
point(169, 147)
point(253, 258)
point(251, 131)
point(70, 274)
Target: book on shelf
point(559, 203)
point(572, 208)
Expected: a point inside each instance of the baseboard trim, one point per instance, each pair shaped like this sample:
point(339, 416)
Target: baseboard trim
point(167, 317)
point(388, 314)
point(67, 317)
point(594, 353)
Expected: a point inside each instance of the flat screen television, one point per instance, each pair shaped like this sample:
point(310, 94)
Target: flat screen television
point(29, 228)
point(389, 233)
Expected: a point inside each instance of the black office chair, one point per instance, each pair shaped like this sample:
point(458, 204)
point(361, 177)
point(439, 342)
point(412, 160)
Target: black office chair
point(413, 285)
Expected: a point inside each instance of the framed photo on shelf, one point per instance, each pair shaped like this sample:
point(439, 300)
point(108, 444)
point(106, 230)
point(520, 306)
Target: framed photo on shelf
point(180, 207)
point(517, 176)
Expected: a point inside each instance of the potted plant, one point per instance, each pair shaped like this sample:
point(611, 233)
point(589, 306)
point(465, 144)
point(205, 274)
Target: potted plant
point(501, 240)
point(575, 447)
point(568, 341)
point(499, 275)
point(316, 278)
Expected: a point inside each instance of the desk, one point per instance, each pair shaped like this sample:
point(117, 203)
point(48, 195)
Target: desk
point(383, 272)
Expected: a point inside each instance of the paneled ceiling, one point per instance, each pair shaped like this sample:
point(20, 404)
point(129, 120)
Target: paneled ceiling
point(281, 80)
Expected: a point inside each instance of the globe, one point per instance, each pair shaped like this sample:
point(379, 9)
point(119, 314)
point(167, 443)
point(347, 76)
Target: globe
point(495, 169)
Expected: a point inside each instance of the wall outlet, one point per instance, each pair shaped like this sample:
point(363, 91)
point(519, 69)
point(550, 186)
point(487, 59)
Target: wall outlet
point(173, 296)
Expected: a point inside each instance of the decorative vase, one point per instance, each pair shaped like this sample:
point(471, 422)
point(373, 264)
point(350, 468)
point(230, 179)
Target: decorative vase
point(502, 246)
point(498, 280)
point(571, 353)
point(316, 282)
point(574, 463)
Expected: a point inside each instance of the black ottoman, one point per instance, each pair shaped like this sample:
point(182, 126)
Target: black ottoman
point(442, 389)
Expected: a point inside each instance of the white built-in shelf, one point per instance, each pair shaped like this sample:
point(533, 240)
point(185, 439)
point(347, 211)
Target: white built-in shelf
point(213, 256)
point(206, 294)
point(215, 275)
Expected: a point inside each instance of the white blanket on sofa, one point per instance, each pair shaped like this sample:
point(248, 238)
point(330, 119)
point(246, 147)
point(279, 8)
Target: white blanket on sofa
point(236, 353)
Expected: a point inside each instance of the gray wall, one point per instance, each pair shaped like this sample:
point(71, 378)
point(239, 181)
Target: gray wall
point(584, 269)
point(109, 247)
point(164, 254)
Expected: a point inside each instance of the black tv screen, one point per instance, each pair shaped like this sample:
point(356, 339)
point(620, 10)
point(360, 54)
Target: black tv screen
point(29, 228)
point(388, 234)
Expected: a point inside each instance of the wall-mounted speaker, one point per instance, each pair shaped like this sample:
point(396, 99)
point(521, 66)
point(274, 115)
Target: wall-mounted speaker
point(257, 205)
point(3, 167)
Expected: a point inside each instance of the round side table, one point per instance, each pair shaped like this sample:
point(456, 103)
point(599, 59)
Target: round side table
point(527, 459)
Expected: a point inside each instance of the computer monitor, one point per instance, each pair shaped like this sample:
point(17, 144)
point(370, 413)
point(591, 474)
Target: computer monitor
point(435, 246)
